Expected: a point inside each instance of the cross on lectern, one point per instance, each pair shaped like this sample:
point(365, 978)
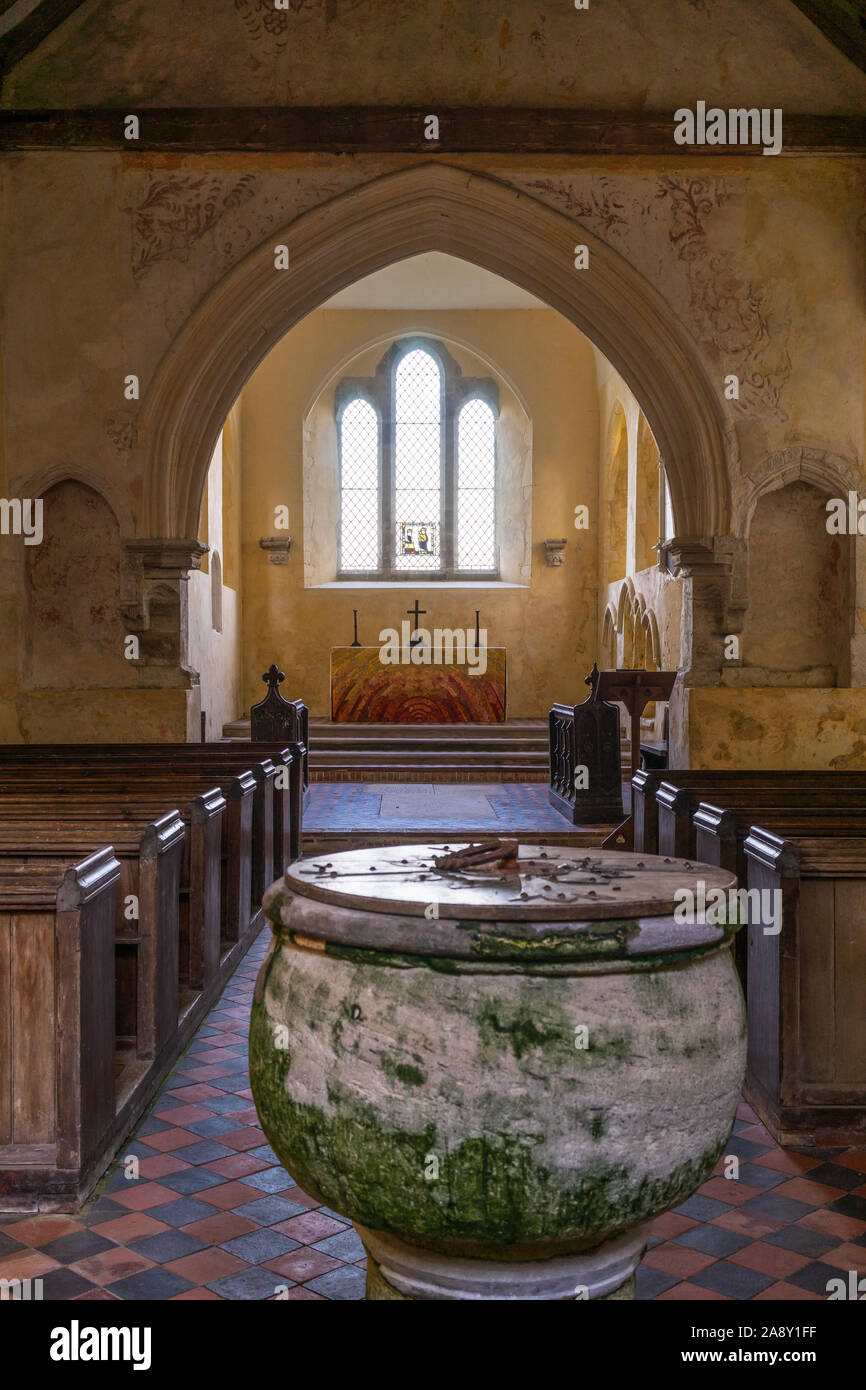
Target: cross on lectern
point(416, 614)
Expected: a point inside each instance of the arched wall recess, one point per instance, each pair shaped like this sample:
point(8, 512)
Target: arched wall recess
point(431, 207)
point(216, 592)
point(800, 463)
point(37, 484)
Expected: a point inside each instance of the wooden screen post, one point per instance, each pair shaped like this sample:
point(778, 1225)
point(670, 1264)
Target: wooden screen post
point(634, 689)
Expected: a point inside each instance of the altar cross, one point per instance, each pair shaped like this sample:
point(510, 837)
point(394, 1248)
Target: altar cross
point(416, 614)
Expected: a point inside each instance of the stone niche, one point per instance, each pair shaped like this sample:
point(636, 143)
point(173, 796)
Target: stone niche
point(75, 629)
point(797, 626)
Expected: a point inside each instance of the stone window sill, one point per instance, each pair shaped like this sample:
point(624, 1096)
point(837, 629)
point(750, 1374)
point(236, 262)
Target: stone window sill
point(411, 585)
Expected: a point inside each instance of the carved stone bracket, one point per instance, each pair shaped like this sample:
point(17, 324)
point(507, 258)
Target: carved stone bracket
point(154, 604)
point(278, 548)
point(555, 551)
point(714, 600)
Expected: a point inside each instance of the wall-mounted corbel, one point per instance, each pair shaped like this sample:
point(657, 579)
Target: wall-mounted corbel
point(278, 548)
point(555, 551)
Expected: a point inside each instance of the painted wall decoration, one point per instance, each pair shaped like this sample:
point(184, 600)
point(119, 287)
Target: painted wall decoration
point(364, 691)
point(176, 212)
point(732, 310)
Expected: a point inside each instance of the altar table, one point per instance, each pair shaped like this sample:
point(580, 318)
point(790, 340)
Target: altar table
point(365, 691)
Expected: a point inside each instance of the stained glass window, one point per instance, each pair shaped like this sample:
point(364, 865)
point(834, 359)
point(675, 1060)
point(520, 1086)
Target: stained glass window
point(418, 475)
point(417, 460)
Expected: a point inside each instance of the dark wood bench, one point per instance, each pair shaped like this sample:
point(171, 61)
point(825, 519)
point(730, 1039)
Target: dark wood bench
point(275, 720)
point(195, 871)
point(699, 786)
point(281, 823)
point(806, 1072)
point(151, 991)
point(720, 835)
point(721, 832)
point(664, 803)
point(57, 1048)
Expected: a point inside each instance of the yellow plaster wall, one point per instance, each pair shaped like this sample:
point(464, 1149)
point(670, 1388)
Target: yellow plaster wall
point(102, 716)
point(548, 627)
point(777, 729)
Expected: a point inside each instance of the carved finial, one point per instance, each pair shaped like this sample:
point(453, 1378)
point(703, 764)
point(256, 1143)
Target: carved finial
point(593, 678)
point(273, 677)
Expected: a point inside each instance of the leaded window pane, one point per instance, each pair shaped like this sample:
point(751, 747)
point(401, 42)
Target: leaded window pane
point(417, 462)
point(359, 487)
point(476, 487)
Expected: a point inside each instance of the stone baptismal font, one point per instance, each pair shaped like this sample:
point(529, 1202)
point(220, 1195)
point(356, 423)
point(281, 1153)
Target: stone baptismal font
point(501, 1062)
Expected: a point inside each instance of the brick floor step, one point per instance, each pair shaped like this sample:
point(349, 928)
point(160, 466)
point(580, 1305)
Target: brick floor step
point(427, 772)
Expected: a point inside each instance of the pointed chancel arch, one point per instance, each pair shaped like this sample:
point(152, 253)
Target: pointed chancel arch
point(431, 207)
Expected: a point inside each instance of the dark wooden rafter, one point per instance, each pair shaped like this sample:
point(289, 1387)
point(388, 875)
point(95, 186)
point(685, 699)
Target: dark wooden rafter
point(382, 129)
point(843, 22)
point(23, 26)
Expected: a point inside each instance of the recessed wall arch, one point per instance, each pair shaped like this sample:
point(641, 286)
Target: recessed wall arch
point(37, 484)
point(430, 207)
point(800, 463)
point(608, 638)
point(624, 602)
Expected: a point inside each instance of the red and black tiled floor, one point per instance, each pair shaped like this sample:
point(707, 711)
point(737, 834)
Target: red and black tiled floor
point(212, 1215)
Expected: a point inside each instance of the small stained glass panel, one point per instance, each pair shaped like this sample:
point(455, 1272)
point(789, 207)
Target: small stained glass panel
point(476, 487)
point(359, 487)
point(419, 538)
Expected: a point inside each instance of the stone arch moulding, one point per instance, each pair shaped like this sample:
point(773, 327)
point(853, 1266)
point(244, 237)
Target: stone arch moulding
point(430, 207)
point(412, 330)
point(624, 602)
point(616, 413)
point(800, 463)
point(37, 484)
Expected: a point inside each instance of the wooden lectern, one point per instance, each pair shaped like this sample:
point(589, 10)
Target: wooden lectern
point(635, 689)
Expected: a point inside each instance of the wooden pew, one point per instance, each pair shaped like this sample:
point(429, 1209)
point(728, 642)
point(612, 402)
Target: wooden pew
point(57, 1053)
point(695, 785)
point(41, 822)
point(806, 1071)
point(275, 719)
point(720, 836)
point(721, 832)
point(198, 876)
point(677, 799)
point(150, 858)
point(153, 1017)
point(213, 761)
point(136, 793)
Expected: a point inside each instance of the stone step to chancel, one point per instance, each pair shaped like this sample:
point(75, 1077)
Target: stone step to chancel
point(514, 751)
